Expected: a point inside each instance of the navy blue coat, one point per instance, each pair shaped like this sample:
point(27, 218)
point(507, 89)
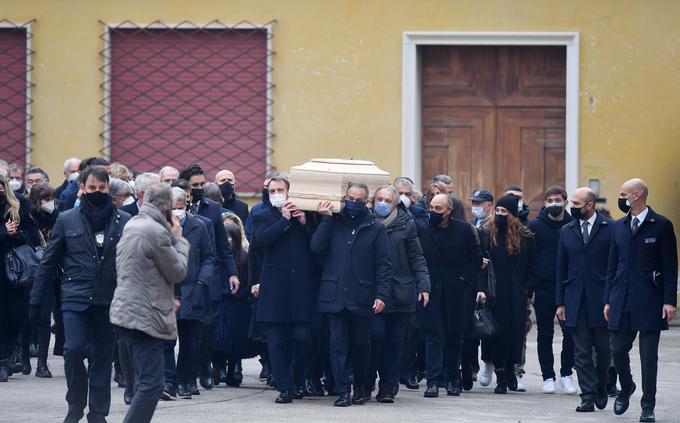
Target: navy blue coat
point(131, 209)
point(356, 266)
point(86, 279)
point(582, 270)
point(193, 292)
point(643, 266)
point(290, 274)
point(224, 258)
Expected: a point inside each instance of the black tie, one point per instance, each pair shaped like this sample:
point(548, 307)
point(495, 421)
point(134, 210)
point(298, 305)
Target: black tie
point(584, 231)
point(636, 224)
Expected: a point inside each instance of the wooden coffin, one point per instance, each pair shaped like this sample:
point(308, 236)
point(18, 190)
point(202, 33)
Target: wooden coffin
point(327, 179)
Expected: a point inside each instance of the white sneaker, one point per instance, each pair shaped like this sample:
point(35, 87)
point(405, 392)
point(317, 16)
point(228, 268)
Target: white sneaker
point(568, 385)
point(486, 374)
point(549, 386)
point(520, 385)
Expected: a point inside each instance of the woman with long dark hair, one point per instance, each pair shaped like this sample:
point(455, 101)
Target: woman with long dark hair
point(44, 213)
point(512, 252)
point(232, 344)
point(16, 229)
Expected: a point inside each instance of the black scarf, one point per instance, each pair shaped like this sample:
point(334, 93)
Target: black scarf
point(98, 218)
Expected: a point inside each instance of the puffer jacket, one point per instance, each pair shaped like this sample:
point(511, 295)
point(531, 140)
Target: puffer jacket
point(150, 261)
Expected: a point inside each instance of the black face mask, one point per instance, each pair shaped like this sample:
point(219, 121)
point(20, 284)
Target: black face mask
point(97, 198)
point(196, 194)
point(623, 206)
point(502, 222)
point(435, 218)
point(554, 210)
point(227, 190)
point(265, 195)
point(577, 213)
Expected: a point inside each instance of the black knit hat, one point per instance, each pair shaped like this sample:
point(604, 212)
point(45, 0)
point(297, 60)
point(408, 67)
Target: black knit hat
point(510, 202)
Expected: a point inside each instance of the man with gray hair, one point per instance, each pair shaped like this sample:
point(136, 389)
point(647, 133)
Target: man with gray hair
point(71, 173)
point(168, 174)
point(405, 188)
point(142, 183)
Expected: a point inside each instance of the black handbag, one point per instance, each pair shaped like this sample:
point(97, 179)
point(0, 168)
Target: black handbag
point(21, 265)
point(484, 325)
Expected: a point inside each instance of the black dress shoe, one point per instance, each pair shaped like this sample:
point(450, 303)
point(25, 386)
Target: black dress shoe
point(411, 383)
point(42, 370)
point(96, 418)
point(647, 416)
point(314, 388)
point(586, 407)
point(623, 401)
point(384, 396)
point(344, 400)
point(297, 392)
point(206, 382)
point(26, 368)
point(284, 398)
point(453, 389)
point(601, 399)
point(127, 398)
point(501, 386)
point(183, 391)
point(238, 372)
point(510, 379)
point(432, 390)
point(264, 373)
point(73, 417)
point(193, 388)
point(359, 397)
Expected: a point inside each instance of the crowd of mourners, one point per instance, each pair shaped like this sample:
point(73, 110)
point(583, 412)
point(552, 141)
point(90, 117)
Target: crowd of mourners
point(167, 282)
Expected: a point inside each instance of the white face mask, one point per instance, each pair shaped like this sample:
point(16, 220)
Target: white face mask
point(179, 213)
point(277, 200)
point(478, 212)
point(14, 184)
point(128, 201)
point(48, 207)
point(405, 200)
point(520, 205)
point(73, 176)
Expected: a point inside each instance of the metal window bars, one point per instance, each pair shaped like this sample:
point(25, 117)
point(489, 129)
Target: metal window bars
point(185, 93)
point(15, 91)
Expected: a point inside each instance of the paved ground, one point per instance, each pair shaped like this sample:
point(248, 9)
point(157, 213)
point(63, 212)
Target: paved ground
point(28, 399)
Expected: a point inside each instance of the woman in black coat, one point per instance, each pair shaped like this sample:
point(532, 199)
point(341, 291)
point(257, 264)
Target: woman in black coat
point(512, 251)
point(410, 284)
point(44, 214)
point(16, 229)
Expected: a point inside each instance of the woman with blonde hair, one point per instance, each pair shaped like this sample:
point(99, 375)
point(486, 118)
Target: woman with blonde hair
point(512, 252)
point(229, 217)
point(16, 229)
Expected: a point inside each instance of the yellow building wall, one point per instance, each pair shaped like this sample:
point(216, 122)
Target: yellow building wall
point(337, 71)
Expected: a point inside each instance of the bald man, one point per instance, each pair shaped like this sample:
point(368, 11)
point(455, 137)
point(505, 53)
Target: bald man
point(641, 291)
point(227, 182)
point(582, 254)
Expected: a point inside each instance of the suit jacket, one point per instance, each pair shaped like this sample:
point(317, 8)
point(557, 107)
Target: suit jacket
point(643, 271)
point(582, 270)
point(290, 274)
point(193, 291)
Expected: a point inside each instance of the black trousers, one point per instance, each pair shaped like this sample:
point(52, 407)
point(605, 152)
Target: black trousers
point(89, 334)
point(544, 306)
point(146, 358)
point(350, 343)
point(206, 339)
point(593, 372)
point(182, 372)
point(387, 337)
point(13, 311)
point(413, 353)
point(621, 344)
point(443, 345)
point(289, 345)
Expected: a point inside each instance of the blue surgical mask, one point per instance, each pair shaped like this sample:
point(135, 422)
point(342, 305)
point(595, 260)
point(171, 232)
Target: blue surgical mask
point(355, 209)
point(478, 212)
point(382, 208)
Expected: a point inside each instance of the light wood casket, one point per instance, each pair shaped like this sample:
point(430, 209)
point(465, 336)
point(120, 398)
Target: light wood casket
point(327, 179)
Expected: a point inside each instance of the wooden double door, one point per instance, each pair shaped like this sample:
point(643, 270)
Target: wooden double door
point(494, 116)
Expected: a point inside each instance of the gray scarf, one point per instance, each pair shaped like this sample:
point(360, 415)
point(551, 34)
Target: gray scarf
point(387, 220)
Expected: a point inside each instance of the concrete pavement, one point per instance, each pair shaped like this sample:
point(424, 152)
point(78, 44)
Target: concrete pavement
point(29, 399)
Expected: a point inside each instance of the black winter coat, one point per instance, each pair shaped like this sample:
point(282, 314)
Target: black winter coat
point(582, 271)
point(27, 233)
point(87, 278)
point(193, 292)
point(546, 236)
point(644, 268)
point(453, 261)
point(409, 269)
point(356, 268)
point(290, 274)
